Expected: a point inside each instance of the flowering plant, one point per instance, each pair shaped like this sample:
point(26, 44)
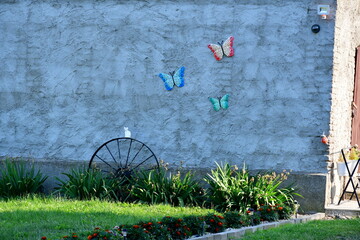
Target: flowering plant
point(177, 227)
point(352, 154)
point(156, 229)
point(107, 234)
point(234, 219)
point(216, 223)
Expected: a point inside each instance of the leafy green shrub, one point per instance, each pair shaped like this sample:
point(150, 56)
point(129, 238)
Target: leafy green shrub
point(18, 179)
point(99, 233)
point(157, 186)
point(196, 224)
point(232, 189)
point(136, 232)
point(177, 227)
point(157, 230)
point(268, 213)
point(234, 219)
point(86, 184)
point(215, 223)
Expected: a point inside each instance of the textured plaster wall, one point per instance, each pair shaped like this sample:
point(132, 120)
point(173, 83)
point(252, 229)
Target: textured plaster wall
point(74, 73)
point(347, 38)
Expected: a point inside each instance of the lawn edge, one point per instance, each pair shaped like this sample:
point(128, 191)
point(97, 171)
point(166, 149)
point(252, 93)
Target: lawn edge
point(239, 232)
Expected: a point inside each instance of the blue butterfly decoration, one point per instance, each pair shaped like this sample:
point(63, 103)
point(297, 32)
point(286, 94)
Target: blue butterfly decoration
point(220, 102)
point(173, 78)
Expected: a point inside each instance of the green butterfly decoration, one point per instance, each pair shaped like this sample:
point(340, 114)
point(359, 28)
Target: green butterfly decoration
point(220, 102)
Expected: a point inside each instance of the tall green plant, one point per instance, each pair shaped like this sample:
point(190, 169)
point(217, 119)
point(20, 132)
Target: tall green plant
point(233, 189)
point(86, 184)
point(157, 186)
point(19, 178)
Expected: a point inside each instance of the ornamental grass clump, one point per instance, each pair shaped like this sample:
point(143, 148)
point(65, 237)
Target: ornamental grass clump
point(87, 184)
point(231, 189)
point(159, 186)
point(19, 178)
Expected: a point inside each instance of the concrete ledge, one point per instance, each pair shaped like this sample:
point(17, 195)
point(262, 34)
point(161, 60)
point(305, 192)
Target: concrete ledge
point(237, 233)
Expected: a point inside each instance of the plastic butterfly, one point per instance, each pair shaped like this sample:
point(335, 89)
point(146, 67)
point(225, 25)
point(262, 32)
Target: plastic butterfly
point(173, 78)
point(220, 102)
point(223, 48)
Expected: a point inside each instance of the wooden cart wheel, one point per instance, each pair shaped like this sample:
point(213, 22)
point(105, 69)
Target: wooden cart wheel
point(120, 157)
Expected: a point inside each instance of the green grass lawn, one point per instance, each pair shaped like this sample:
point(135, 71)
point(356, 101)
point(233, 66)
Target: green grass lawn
point(33, 218)
point(313, 230)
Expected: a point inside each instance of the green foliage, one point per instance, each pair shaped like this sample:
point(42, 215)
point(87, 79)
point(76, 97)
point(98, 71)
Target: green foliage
point(232, 189)
point(86, 184)
point(196, 224)
point(19, 178)
point(234, 219)
point(157, 186)
point(215, 223)
point(157, 230)
point(177, 227)
point(136, 232)
point(98, 233)
point(269, 213)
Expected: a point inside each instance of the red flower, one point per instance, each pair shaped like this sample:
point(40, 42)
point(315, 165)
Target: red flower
point(150, 223)
point(159, 222)
point(280, 208)
point(179, 220)
point(248, 211)
point(269, 210)
point(260, 209)
point(146, 231)
point(65, 236)
point(216, 229)
point(178, 233)
point(184, 234)
point(177, 225)
point(221, 217)
point(136, 226)
point(89, 237)
point(212, 220)
point(95, 234)
point(43, 238)
point(220, 223)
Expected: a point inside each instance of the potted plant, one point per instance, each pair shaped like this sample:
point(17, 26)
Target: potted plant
point(352, 155)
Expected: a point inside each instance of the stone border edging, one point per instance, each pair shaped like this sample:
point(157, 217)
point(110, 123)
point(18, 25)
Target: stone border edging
point(237, 233)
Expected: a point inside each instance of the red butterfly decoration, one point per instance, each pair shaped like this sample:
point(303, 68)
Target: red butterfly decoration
point(223, 48)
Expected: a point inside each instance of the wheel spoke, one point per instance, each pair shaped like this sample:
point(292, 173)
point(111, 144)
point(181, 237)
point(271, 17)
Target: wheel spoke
point(136, 154)
point(111, 154)
point(127, 158)
point(143, 162)
point(105, 162)
point(120, 165)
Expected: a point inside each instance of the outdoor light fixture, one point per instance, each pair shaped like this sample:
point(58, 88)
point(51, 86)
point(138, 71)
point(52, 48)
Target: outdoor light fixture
point(323, 11)
point(315, 28)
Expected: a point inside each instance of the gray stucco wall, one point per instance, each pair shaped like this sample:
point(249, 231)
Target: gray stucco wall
point(75, 73)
